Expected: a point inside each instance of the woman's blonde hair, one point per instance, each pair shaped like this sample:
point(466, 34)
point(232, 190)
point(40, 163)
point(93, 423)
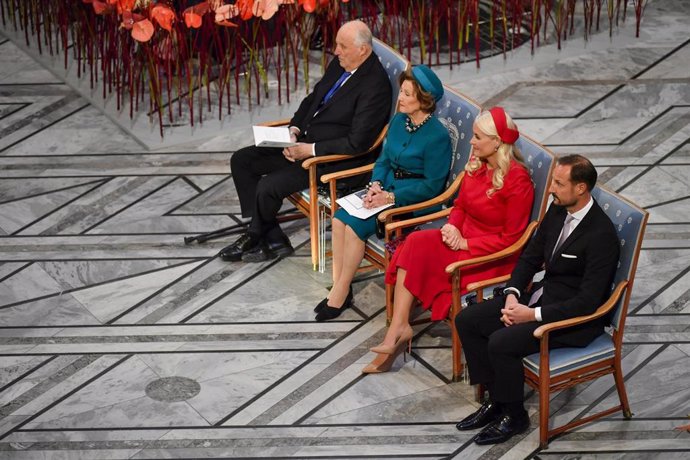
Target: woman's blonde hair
point(506, 152)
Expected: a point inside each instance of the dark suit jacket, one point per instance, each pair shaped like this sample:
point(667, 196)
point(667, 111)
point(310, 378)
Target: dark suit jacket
point(579, 282)
point(352, 119)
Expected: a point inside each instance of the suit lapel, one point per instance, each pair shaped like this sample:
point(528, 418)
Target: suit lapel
point(580, 230)
point(348, 86)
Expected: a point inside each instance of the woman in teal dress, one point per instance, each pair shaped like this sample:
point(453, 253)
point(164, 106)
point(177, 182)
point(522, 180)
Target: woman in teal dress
point(412, 167)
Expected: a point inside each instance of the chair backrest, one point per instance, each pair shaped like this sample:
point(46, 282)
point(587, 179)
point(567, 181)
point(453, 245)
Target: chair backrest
point(540, 161)
point(630, 221)
point(457, 112)
point(395, 64)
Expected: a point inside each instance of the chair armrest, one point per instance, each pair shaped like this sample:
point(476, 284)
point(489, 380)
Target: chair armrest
point(339, 156)
point(486, 283)
point(435, 201)
point(416, 220)
point(502, 254)
point(601, 311)
point(276, 123)
point(306, 164)
point(346, 173)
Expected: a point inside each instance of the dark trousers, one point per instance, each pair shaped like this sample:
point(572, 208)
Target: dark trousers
point(263, 179)
point(494, 352)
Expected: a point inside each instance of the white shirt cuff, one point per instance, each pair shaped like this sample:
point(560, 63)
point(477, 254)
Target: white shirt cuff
point(537, 314)
point(512, 290)
point(313, 149)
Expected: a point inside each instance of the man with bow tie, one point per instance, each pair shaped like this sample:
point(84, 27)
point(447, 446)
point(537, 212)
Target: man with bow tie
point(577, 248)
point(344, 114)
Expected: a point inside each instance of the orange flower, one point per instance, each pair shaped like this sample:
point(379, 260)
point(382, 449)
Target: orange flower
point(265, 8)
point(226, 12)
point(193, 14)
point(125, 5)
point(245, 7)
point(164, 16)
point(308, 5)
point(142, 31)
point(100, 7)
point(129, 19)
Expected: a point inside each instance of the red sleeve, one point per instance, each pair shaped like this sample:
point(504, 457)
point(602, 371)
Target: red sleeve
point(519, 195)
point(457, 214)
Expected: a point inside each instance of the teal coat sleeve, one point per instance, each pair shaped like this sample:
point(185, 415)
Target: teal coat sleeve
point(426, 152)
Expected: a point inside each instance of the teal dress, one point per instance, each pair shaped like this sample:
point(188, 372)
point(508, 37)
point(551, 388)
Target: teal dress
point(427, 152)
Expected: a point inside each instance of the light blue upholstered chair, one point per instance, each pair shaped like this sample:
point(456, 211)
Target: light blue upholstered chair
point(540, 163)
point(317, 207)
point(562, 368)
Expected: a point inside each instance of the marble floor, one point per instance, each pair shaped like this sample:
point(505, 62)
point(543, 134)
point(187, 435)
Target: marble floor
point(118, 341)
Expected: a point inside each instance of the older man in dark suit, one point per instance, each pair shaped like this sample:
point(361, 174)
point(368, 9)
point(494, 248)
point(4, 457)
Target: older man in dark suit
point(343, 114)
point(577, 247)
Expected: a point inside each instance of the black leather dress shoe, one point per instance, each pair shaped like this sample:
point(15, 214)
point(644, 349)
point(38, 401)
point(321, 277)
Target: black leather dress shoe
point(324, 302)
point(502, 429)
point(233, 253)
point(281, 247)
point(260, 253)
point(329, 312)
point(486, 414)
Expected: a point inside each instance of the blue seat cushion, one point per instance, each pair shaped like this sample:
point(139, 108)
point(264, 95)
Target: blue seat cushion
point(562, 360)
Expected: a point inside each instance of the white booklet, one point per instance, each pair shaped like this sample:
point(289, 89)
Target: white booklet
point(268, 136)
point(354, 205)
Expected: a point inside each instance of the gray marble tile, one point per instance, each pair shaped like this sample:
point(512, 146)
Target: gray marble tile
point(62, 309)
point(118, 398)
point(99, 299)
point(19, 214)
point(77, 274)
point(12, 367)
point(205, 182)
point(87, 132)
point(30, 283)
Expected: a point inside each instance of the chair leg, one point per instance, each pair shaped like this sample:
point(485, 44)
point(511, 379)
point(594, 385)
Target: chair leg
point(620, 387)
point(544, 394)
point(389, 303)
point(479, 392)
point(457, 354)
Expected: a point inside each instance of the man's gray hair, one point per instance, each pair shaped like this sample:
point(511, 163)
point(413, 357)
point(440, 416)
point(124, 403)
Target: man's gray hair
point(363, 34)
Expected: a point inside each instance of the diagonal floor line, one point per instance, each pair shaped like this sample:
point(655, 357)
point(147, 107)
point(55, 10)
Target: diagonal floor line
point(96, 185)
point(89, 286)
point(65, 396)
point(673, 281)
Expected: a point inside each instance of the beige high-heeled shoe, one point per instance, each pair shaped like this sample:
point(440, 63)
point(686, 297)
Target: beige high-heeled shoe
point(405, 336)
point(384, 361)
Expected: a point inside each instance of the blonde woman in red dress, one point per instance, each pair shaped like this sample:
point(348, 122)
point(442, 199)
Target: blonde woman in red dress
point(490, 213)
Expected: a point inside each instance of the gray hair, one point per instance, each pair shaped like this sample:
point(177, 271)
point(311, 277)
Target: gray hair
point(362, 33)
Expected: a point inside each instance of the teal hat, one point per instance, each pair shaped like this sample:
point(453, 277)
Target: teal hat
point(428, 80)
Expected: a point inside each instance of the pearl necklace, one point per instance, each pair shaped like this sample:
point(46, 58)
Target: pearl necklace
point(411, 127)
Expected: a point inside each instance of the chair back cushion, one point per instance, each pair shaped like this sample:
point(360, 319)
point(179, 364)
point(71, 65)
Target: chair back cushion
point(540, 163)
point(394, 64)
point(457, 113)
point(630, 221)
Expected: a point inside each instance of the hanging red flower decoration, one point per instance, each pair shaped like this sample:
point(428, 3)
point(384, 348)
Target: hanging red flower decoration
point(129, 19)
point(245, 7)
point(142, 31)
point(226, 12)
point(164, 16)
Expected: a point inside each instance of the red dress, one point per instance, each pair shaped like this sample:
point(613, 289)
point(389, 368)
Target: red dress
point(488, 223)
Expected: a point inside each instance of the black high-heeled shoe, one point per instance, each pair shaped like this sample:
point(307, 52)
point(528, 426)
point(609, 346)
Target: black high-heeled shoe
point(329, 312)
point(320, 306)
